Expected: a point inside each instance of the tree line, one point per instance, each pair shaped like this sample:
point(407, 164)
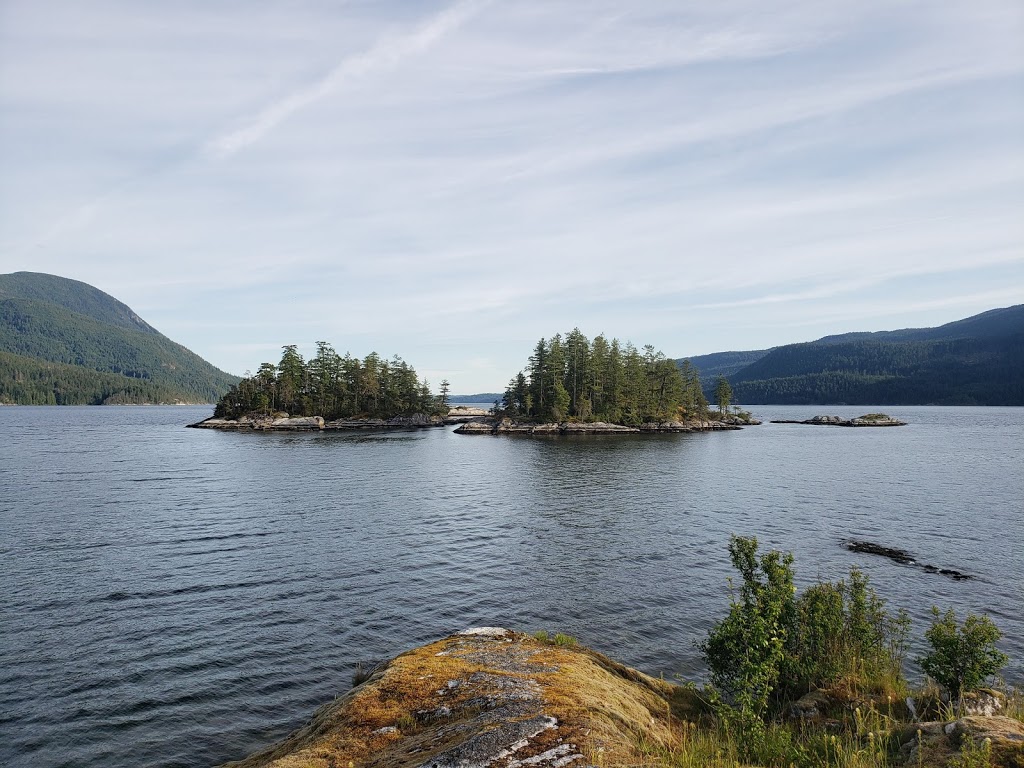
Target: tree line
point(969, 371)
point(573, 378)
point(27, 381)
point(333, 386)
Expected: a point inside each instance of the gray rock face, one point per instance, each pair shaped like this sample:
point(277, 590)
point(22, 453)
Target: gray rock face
point(868, 420)
point(984, 703)
point(461, 414)
point(282, 422)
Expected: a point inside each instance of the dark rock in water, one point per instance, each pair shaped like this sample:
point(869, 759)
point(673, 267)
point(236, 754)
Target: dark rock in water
point(903, 557)
point(868, 548)
point(955, 574)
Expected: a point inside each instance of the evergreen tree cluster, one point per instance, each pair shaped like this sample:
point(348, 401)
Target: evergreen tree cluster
point(571, 378)
point(28, 381)
point(332, 386)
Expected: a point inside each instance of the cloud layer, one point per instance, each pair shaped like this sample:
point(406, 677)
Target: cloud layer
point(451, 181)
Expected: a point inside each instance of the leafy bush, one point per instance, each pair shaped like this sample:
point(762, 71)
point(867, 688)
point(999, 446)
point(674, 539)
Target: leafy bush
point(961, 659)
point(843, 630)
point(745, 651)
point(774, 646)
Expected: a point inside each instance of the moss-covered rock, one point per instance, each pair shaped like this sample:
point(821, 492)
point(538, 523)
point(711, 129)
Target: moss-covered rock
point(488, 697)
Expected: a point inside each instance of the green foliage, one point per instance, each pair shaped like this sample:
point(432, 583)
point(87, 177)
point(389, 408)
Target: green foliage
point(723, 394)
point(774, 646)
point(27, 381)
point(332, 386)
point(80, 298)
point(574, 379)
point(965, 371)
point(843, 630)
point(973, 754)
point(69, 343)
point(961, 658)
point(745, 651)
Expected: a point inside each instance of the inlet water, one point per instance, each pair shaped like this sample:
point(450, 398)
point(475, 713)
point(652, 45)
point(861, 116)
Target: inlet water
point(173, 597)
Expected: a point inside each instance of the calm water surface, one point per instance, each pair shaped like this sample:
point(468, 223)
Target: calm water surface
point(173, 597)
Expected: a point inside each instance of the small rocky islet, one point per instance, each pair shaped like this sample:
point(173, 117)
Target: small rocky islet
point(867, 420)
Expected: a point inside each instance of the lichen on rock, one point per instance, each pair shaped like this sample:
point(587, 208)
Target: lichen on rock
point(485, 697)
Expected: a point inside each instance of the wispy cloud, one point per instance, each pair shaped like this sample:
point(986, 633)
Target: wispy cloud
point(434, 179)
point(387, 53)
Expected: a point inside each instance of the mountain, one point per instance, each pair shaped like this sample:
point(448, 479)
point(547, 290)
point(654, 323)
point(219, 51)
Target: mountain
point(722, 364)
point(975, 361)
point(63, 342)
point(480, 397)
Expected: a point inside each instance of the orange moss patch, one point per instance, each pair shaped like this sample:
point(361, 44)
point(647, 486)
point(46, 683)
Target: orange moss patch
point(497, 699)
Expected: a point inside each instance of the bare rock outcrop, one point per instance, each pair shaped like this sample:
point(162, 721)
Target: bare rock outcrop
point(867, 420)
point(284, 422)
point(485, 697)
point(507, 426)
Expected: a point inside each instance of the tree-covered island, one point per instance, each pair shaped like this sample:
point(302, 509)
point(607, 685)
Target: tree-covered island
point(572, 384)
point(330, 390)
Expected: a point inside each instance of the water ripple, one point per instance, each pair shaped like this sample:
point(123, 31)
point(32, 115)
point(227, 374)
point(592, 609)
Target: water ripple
point(176, 597)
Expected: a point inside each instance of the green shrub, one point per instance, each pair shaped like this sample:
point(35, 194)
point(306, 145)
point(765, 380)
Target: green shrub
point(745, 651)
point(773, 646)
point(961, 658)
point(843, 630)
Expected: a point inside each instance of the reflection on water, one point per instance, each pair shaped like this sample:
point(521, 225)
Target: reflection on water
point(181, 597)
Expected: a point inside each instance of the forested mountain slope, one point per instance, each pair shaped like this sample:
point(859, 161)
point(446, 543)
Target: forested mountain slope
point(68, 343)
point(722, 364)
point(975, 361)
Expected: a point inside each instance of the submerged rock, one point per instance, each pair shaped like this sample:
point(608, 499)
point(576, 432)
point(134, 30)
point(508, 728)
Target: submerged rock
point(486, 697)
point(903, 557)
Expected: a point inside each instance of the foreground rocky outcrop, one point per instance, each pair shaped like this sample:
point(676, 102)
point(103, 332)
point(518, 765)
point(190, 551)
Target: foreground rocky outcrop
point(506, 426)
point(488, 697)
point(995, 740)
point(282, 422)
point(493, 698)
point(868, 420)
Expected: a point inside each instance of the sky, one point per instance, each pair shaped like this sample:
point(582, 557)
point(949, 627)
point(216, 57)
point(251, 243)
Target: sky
point(451, 181)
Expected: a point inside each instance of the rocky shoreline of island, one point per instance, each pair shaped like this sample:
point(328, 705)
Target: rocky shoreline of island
point(507, 426)
point(472, 421)
point(282, 422)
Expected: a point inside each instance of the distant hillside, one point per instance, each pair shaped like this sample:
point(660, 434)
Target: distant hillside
point(68, 343)
point(481, 397)
point(975, 361)
point(722, 364)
